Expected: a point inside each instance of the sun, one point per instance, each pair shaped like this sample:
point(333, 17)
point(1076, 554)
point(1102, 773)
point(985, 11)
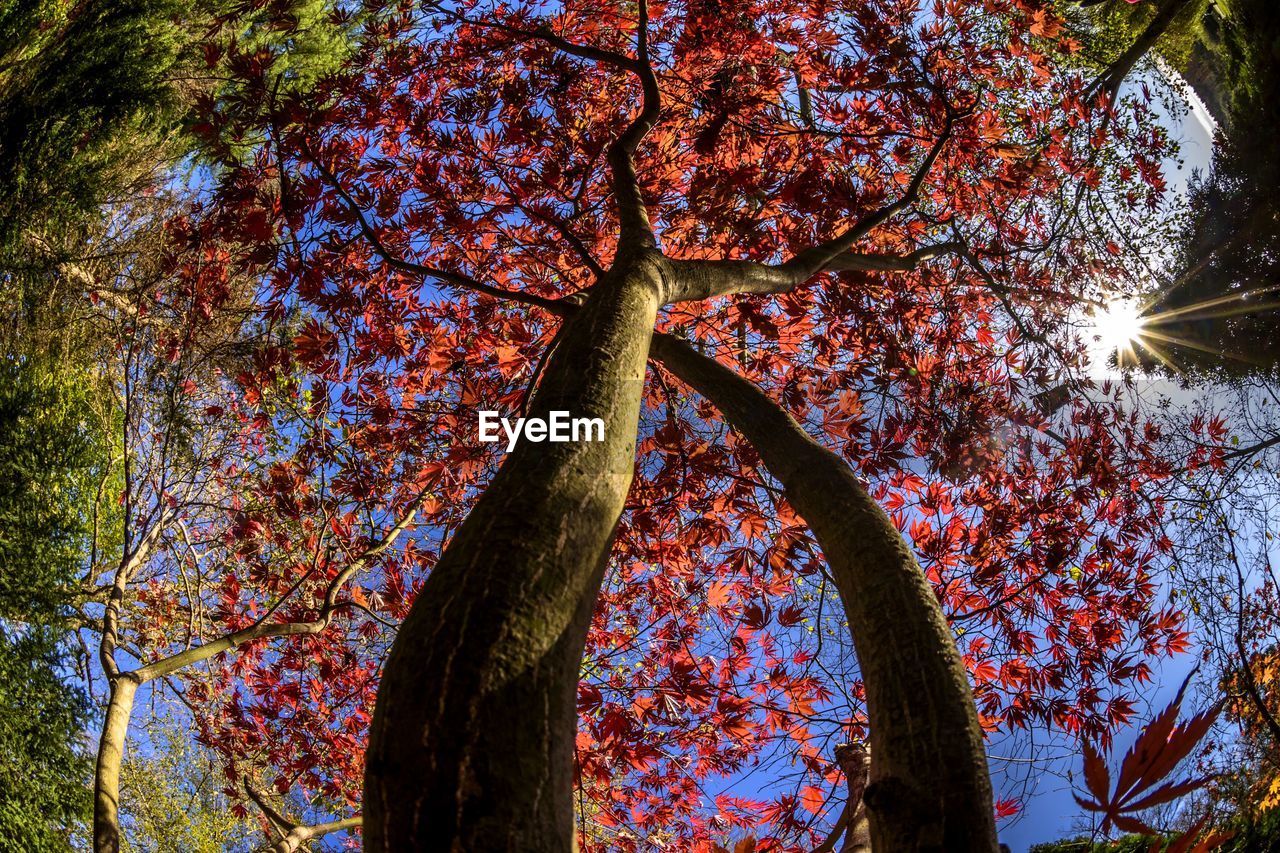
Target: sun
point(1117, 325)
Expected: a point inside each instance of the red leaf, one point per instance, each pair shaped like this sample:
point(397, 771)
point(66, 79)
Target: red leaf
point(1095, 774)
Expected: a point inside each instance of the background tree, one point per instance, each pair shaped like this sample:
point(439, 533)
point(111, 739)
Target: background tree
point(54, 465)
point(171, 788)
point(1224, 298)
point(95, 96)
point(96, 101)
point(44, 800)
point(1213, 311)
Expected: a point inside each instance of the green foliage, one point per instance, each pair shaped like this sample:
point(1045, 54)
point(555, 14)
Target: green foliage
point(96, 96)
point(303, 39)
point(1114, 26)
point(54, 465)
point(172, 796)
point(1255, 833)
point(1212, 43)
point(44, 777)
point(1125, 22)
point(55, 485)
point(84, 85)
point(1085, 844)
point(98, 100)
point(292, 46)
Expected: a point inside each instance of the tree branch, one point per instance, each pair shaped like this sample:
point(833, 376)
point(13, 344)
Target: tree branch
point(1252, 449)
point(878, 262)
point(704, 279)
point(297, 837)
point(698, 280)
point(923, 724)
point(563, 229)
point(1252, 689)
point(261, 629)
point(457, 279)
point(545, 35)
point(1002, 293)
point(855, 762)
point(633, 216)
point(1109, 81)
point(816, 259)
point(129, 564)
point(292, 835)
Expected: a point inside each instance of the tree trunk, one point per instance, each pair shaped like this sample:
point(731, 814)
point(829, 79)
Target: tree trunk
point(106, 796)
point(929, 788)
point(473, 732)
point(1115, 74)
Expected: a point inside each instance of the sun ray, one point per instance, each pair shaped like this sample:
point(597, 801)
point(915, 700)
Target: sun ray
point(1154, 350)
point(1209, 303)
point(1121, 328)
point(1189, 274)
point(1183, 342)
point(1212, 315)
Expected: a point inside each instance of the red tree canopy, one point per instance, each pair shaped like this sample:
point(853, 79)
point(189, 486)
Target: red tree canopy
point(412, 219)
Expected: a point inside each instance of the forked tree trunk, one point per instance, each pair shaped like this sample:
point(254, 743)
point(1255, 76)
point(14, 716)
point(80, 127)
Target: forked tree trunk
point(472, 740)
point(929, 787)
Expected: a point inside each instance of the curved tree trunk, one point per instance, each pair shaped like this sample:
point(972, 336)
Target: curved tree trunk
point(472, 740)
point(106, 789)
point(929, 788)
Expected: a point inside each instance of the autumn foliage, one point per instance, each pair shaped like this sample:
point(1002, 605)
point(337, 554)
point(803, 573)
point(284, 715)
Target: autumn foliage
point(413, 218)
point(1143, 780)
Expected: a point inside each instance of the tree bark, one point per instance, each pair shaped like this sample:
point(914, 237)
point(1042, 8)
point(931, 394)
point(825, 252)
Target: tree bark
point(929, 788)
point(471, 746)
point(106, 789)
point(296, 838)
point(855, 762)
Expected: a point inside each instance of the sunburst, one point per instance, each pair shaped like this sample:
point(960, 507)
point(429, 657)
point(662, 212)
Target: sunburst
point(1120, 326)
point(1117, 325)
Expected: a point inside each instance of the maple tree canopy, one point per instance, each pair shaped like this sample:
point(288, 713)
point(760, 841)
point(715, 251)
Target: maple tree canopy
point(879, 212)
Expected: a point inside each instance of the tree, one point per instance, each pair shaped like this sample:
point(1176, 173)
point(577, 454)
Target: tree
point(173, 798)
point(94, 96)
point(43, 795)
point(97, 100)
point(1253, 689)
point(1223, 299)
point(472, 220)
point(52, 466)
point(85, 106)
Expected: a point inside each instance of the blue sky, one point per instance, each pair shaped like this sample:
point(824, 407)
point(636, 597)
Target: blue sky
point(1049, 812)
